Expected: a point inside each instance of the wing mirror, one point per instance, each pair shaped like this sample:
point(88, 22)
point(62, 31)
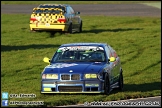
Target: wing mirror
point(46, 60)
point(77, 12)
point(112, 59)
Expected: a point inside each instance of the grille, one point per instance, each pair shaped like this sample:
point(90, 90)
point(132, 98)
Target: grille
point(65, 77)
point(73, 77)
point(70, 88)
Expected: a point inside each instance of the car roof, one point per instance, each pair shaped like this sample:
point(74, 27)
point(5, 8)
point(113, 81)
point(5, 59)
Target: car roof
point(84, 44)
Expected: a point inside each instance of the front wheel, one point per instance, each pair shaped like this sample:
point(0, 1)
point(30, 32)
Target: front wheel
point(80, 28)
point(107, 88)
point(121, 81)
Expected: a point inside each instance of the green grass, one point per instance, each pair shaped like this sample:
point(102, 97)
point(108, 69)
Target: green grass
point(137, 41)
point(74, 2)
point(156, 4)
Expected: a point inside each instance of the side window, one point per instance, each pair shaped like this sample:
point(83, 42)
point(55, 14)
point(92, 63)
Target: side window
point(71, 9)
point(113, 52)
point(108, 52)
point(68, 10)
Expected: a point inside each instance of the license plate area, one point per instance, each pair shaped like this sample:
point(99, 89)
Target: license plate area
point(47, 25)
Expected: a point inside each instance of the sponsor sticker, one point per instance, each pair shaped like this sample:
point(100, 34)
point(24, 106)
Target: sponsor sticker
point(47, 24)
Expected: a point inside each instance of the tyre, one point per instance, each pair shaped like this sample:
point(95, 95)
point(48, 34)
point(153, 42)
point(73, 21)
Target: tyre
point(121, 81)
point(80, 28)
point(107, 88)
point(32, 30)
point(70, 29)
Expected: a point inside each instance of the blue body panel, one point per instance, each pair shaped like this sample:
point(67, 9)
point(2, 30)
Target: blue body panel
point(75, 67)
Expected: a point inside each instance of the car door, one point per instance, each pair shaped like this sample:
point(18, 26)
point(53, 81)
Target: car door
point(116, 64)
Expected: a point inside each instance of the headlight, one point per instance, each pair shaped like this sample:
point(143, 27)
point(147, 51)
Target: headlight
point(50, 76)
point(88, 76)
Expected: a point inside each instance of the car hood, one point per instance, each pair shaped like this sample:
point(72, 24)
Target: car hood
point(74, 68)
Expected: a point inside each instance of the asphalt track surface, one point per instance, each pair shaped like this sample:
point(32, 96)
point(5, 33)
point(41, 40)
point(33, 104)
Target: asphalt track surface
point(107, 10)
point(94, 9)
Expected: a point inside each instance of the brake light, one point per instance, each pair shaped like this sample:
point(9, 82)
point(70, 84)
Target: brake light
point(33, 19)
point(61, 20)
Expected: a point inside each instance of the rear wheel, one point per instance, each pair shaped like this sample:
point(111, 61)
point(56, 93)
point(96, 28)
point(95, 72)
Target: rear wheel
point(70, 29)
point(32, 30)
point(107, 85)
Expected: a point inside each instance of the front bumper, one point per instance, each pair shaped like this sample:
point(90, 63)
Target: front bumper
point(53, 86)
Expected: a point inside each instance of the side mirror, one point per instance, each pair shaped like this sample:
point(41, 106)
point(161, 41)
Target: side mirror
point(46, 60)
point(112, 59)
point(77, 12)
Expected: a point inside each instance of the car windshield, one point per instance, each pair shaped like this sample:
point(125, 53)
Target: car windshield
point(79, 54)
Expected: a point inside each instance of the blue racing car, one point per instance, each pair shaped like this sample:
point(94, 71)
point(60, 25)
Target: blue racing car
point(82, 68)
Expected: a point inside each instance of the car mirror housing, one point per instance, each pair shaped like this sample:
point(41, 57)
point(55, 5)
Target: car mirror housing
point(46, 60)
point(77, 12)
point(112, 59)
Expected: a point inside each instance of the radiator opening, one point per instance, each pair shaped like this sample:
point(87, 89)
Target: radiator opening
point(70, 88)
point(88, 89)
point(94, 88)
point(53, 89)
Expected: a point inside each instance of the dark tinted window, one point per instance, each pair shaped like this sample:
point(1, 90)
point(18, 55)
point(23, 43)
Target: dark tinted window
point(47, 11)
point(80, 54)
point(52, 6)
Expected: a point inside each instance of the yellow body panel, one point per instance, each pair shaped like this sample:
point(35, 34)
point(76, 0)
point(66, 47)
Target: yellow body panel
point(62, 27)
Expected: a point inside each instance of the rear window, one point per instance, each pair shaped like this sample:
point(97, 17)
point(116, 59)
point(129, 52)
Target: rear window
point(52, 11)
point(52, 6)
